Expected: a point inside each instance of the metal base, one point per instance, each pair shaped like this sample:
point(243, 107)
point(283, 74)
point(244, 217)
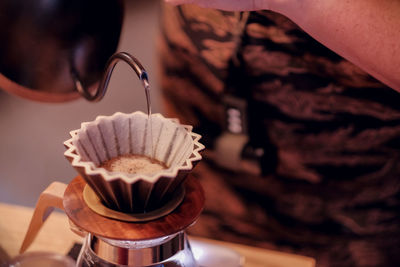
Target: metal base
point(171, 251)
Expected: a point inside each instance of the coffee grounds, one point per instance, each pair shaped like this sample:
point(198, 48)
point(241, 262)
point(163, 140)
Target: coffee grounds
point(134, 164)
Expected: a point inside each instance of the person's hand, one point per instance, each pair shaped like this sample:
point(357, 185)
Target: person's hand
point(229, 5)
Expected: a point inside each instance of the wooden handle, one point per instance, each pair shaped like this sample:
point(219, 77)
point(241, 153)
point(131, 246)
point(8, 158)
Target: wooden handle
point(178, 220)
point(50, 198)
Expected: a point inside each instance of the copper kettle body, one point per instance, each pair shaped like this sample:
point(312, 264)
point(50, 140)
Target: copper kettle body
point(45, 42)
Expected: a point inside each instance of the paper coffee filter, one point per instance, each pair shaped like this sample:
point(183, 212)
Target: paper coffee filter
point(108, 137)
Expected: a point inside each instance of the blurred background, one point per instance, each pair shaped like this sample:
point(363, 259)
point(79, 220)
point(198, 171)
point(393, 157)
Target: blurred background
point(32, 134)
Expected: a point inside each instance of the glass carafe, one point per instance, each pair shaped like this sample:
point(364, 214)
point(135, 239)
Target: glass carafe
point(168, 251)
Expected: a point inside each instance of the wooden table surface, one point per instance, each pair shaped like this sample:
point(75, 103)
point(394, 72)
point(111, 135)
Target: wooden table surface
point(55, 236)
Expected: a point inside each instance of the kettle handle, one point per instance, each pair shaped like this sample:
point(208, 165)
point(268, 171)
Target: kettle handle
point(50, 198)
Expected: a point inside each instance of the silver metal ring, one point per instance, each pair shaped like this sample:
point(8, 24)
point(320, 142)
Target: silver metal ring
point(137, 253)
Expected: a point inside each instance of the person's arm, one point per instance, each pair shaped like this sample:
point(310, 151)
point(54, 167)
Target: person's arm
point(366, 32)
